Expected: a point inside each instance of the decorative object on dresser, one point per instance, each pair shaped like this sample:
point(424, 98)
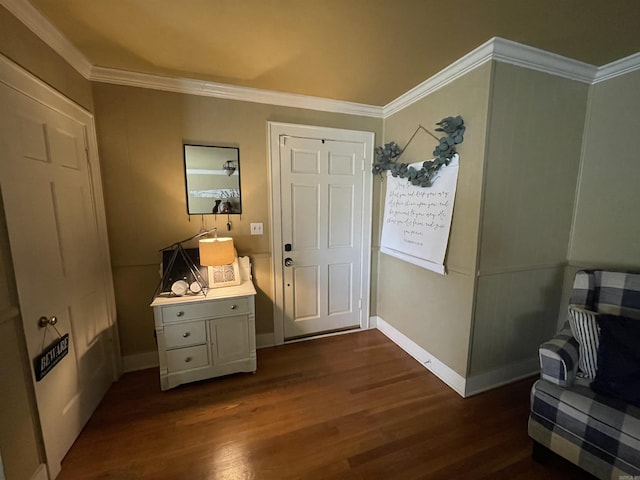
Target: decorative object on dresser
point(182, 271)
point(206, 336)
point(220, 258)
point(190, 265)
point(216, 251)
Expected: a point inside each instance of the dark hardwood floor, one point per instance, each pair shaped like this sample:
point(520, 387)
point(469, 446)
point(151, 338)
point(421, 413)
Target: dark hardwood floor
point(346, 407)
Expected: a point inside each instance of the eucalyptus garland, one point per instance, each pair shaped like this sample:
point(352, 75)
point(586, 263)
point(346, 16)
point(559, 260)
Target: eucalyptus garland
point(385, 157)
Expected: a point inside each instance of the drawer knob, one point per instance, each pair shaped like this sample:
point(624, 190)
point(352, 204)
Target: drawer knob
point(233, 307)
point(186, 334)
point(187, 360)
point(180, 313)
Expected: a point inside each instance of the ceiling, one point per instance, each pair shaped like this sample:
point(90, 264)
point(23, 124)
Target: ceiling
point(364, 51)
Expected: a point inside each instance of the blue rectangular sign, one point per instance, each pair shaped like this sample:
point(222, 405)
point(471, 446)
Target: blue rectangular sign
point(50, 357)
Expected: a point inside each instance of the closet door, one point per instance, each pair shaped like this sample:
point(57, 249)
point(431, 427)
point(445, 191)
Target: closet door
point(62, 271)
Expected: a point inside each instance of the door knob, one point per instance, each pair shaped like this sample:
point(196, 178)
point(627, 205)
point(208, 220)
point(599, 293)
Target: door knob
point(288, 262)
point(44, 321)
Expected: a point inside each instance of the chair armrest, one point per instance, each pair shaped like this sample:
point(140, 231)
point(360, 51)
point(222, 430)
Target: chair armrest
point(559, 359)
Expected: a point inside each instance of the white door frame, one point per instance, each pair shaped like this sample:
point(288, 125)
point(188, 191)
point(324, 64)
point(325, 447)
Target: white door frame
point(275, 131)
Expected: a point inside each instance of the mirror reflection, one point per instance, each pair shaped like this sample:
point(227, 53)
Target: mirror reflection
point(212, 178)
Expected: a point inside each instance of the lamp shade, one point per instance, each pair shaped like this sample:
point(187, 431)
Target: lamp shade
point(216, 251)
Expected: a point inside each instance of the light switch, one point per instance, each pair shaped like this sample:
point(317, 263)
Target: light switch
point(256, 229)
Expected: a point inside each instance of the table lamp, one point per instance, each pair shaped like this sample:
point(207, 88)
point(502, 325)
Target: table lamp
point(216, 251)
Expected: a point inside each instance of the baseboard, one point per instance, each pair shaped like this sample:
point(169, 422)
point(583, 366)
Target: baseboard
point(40, 473)
point(139, 361)
point(431, 363)
point(264, 340)
point(502, 376)
point(465, 387)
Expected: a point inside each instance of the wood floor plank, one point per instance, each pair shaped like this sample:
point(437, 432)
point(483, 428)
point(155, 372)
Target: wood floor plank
point(351, 406)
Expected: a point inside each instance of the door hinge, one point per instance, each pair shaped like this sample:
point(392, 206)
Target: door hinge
point(283, 140)
point(360, 304)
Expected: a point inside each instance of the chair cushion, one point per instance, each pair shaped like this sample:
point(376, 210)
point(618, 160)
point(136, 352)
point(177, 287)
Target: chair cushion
point(584, 327)
point(618, 373)
point(607, 427)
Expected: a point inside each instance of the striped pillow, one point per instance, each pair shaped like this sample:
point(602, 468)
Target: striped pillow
point(584, 327)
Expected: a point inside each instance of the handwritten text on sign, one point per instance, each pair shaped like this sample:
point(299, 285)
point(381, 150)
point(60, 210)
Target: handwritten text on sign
point(417, 220)
point(417, 211)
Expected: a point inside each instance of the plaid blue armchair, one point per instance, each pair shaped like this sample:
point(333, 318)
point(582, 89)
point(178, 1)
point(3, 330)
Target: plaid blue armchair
point(601, 434)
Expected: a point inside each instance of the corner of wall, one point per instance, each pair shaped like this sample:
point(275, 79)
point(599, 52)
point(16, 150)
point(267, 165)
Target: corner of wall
point(485, 154)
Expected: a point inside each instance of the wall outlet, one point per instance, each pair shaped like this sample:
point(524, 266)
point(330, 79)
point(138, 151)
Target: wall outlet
point(256, 229)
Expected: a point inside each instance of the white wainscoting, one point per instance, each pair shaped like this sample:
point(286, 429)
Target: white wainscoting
point(465, 387)
point(502, 376)
point(439, 369)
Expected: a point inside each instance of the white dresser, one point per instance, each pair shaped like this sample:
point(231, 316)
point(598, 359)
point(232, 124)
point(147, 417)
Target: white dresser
point(203, 337)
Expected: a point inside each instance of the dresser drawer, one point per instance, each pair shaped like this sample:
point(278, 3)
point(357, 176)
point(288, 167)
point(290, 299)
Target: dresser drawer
point(187, 358)
point(185, 334)
point(231, 306)
point(216, 308)
point(180, 313)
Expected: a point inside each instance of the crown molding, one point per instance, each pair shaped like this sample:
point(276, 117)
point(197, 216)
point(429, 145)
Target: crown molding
point(231, 92)
point(41, 27)
point(619, 67)
point(460, 67)
point(532, 58)
point(500, 50)
point(38, 24)
point(497, 49)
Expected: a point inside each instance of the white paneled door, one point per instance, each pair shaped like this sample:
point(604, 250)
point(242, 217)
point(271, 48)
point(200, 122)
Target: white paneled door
point(323, 234)
point(59, 259)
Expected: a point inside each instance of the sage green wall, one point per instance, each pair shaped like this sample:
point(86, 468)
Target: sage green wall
point(19, 44)
point(606, 224)
point(140, 137)
point(432, 310)
point(606, 228)
point(533, 155)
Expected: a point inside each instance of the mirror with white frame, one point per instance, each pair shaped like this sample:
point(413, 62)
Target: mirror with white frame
point(212, 179)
